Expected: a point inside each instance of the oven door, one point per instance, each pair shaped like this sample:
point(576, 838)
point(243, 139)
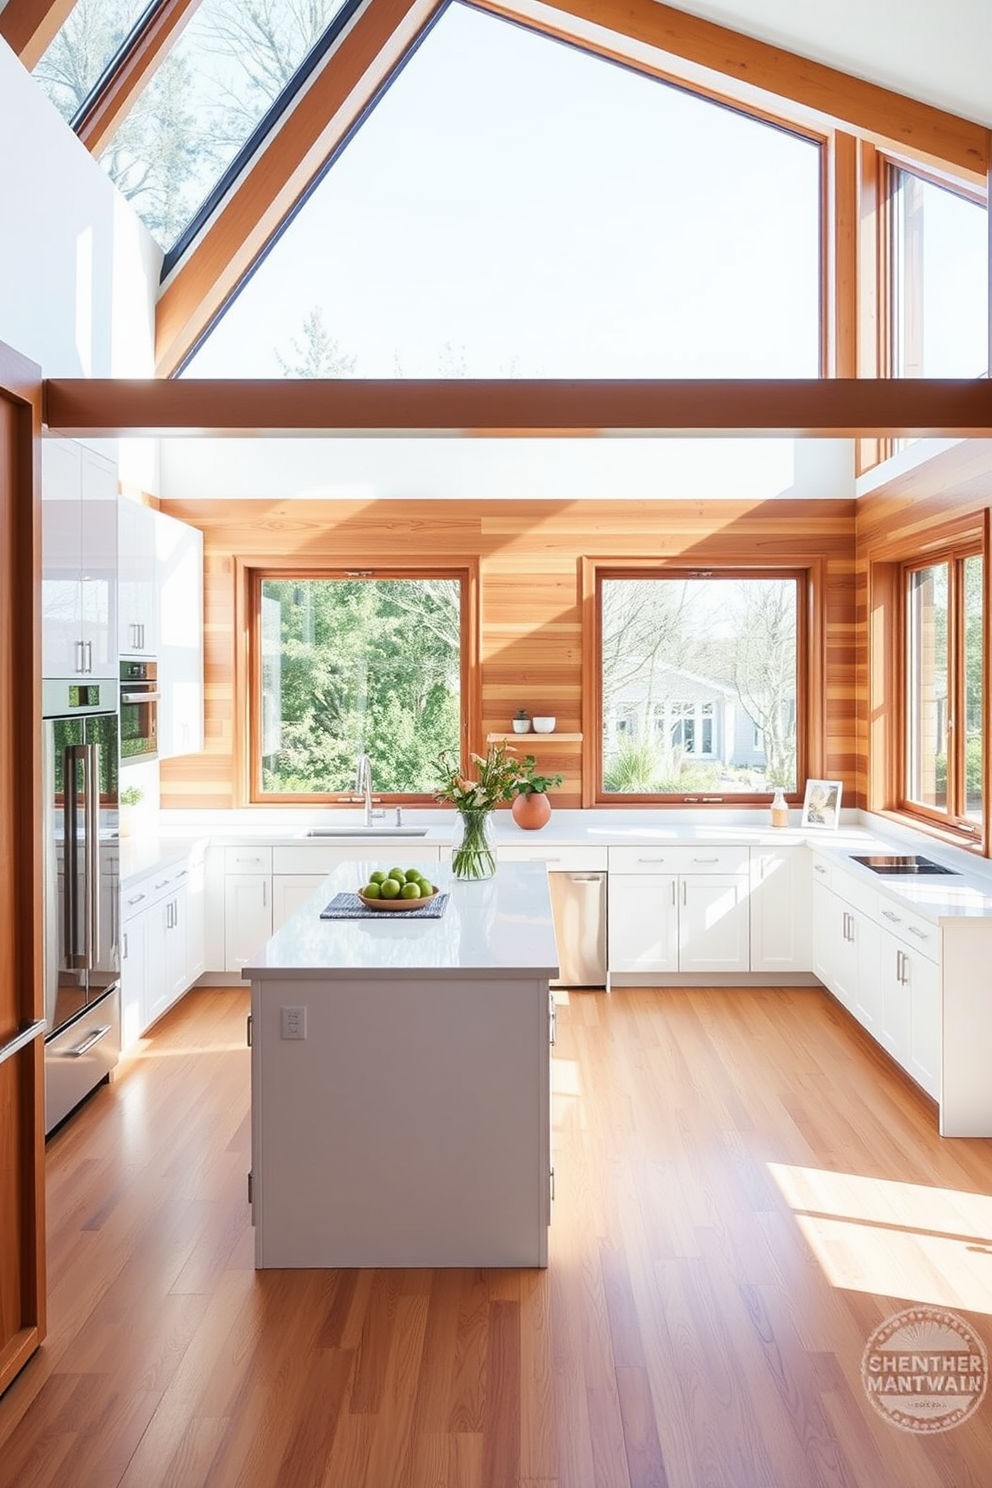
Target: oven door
point(139, 722)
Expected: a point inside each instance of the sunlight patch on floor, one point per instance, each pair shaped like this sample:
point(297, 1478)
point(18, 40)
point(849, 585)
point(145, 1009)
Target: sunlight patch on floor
point(906, 1240)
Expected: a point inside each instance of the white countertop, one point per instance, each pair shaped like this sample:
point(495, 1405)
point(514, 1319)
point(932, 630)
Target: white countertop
point(501, 926)
point(939, 897)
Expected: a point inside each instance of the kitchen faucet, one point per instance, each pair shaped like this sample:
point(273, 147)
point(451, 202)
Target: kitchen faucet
point(363, 784)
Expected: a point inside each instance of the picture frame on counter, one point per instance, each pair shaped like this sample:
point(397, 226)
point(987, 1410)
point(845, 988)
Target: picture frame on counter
point(821, 803)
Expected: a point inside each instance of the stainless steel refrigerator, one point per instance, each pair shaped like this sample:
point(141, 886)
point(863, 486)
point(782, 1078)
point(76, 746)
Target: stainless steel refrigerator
point(81, 876)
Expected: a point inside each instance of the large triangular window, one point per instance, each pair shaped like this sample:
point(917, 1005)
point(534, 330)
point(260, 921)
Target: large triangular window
point(515, 207)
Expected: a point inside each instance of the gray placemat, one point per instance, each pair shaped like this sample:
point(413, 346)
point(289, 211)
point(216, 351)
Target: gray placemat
point(350, 907)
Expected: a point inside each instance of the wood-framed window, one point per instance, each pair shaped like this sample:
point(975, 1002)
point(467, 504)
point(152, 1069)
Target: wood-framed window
point(942, 666)
point(355, 661)
point(701, 683)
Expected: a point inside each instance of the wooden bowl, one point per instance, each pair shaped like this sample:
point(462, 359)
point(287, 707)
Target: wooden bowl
point(391, 904)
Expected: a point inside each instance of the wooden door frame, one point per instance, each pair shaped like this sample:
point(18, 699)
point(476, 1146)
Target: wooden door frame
point(20, 575)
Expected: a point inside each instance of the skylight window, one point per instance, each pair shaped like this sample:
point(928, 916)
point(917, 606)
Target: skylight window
point(83, 48)
point(228, 66)
point(516, 207)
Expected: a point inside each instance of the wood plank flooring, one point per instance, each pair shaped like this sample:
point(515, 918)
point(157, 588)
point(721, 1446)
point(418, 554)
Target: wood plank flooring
point(745, 1188)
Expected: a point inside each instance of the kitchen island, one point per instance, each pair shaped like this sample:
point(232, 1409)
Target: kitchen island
point(401, 1080)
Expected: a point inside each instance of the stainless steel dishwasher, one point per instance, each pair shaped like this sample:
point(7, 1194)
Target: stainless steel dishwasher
point(578, 904)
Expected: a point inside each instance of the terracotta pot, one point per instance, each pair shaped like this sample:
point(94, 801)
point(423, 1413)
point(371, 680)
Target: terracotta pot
point(531, 811)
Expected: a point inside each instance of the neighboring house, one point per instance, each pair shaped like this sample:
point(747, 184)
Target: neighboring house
point(703, 719)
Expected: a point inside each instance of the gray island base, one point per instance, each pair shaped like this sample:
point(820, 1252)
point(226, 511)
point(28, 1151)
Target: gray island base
point(401, 1080)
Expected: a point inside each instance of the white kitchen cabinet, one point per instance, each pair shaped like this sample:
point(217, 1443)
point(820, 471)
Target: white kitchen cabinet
point(780, 908)
point(846, 938)
point(910, 1028)
point(158, 950)
point(678, 909)
point(194, 876)
point(289, 891)
point(247, 903)
point(642, 922)
point(79, 561)
point(137, 616)
point(179, 627)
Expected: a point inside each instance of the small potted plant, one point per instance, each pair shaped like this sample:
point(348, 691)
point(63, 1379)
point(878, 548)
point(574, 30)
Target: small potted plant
point(531, 808)
point(521, 721)
point(130, 797)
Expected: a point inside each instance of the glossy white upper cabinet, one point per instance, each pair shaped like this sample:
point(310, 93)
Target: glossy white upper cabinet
point(79, 561)
point(137, 602)
point(179, 573)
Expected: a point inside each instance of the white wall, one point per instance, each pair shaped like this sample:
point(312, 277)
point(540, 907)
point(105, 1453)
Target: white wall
point(935, 50)
point(491, 469)
point(78, 271)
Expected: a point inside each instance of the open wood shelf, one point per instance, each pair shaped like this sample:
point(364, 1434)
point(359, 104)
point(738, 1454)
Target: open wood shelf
point(533, 738)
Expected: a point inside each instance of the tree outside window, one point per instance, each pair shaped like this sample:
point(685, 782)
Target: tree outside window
point(355, 664)
point(699, 679)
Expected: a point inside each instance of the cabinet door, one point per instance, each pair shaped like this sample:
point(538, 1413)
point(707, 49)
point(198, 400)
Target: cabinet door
point(136, 629)
point(713, 922)
point(134, 970)
point(247, 917)
point(179, 566)
point(643, 922)
point(868, 977)
point(61, 545)
point(98, 562)
point(194, 877)
point(895, 1021)
point(924, 1022)
point(780, 911)
point(289, 891)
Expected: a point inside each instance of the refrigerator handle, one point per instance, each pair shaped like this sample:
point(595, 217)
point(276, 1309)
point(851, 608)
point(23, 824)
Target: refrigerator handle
point(91, 908)
point(71, 757)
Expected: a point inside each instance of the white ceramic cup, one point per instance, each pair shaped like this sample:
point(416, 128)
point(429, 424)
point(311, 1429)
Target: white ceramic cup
point(544, 725)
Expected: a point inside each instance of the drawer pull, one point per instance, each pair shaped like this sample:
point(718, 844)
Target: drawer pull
point(163, 884)
point(135, 899)
point(888, 914)
point(819, 868)
point(650, 860)
point(88, 1043)
point(920, 934)
point(706, 860)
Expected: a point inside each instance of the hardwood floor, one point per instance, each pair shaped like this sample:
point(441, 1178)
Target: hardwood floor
point(745, 1189)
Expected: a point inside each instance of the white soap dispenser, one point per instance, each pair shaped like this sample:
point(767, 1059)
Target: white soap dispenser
point(780, 810)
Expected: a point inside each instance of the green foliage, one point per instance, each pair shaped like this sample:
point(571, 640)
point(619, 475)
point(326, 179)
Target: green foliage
point(364, 664)
point(972, 768)
point(640, 767)
point(489, 780)
point(528, 782)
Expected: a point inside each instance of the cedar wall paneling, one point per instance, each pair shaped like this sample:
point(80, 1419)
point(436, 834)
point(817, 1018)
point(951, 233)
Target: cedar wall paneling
point(897, 522)
point(529, 562)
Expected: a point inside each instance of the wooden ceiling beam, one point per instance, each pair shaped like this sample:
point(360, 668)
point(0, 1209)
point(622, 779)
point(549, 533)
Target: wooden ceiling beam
point(118, 93)
point(363, 59)
point(832, 407)
point(750, 66)
point(29, 26)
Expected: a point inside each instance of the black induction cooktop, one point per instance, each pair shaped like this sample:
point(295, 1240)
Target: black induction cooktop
point(901, 863)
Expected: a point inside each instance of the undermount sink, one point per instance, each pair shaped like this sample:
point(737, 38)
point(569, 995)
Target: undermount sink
point(368, 832)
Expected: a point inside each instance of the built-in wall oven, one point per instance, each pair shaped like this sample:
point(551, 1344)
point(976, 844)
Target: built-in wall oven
point(139, 710)
point(81, 876)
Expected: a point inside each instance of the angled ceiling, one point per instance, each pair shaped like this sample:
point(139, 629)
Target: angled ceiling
point(814, 63)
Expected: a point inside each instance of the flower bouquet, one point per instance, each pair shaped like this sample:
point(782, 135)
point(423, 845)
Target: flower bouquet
point(475, 796)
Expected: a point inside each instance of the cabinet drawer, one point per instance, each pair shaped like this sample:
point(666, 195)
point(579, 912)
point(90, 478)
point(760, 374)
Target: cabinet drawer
point(151, 889)
point(324, 857)
point(680, 859)
point(248, 859)
point(558, 859)
point(922, 934)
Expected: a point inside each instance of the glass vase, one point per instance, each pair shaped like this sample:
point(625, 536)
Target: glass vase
point(473, 851)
